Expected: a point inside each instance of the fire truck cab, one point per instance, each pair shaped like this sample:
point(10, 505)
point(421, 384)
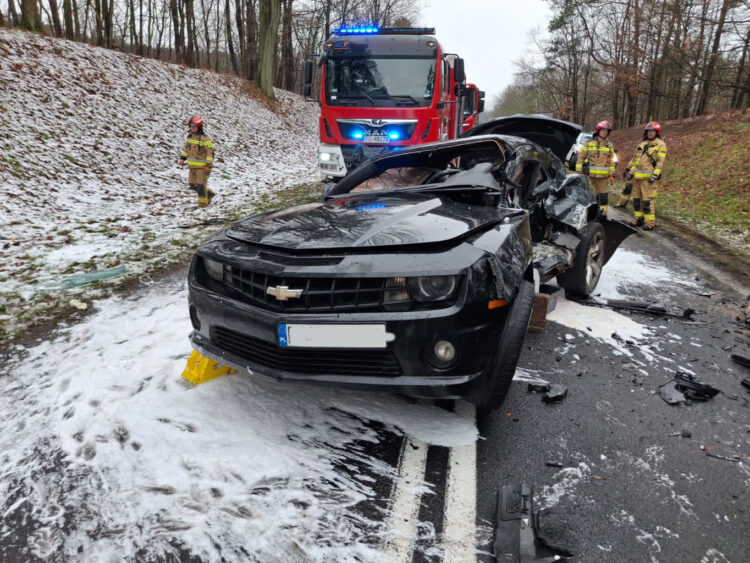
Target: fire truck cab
point(473, 106)
point(381, 89)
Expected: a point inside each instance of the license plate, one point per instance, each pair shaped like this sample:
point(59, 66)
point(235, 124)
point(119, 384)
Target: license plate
point(376, 139)
point(333, 336)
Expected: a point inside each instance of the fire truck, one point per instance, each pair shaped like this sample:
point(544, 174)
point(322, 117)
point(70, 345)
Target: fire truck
point(381, 89)
point(473, 106)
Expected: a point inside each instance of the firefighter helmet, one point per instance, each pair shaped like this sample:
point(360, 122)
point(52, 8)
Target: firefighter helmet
point(602, 125)
point(197, 121)
point(652, 126)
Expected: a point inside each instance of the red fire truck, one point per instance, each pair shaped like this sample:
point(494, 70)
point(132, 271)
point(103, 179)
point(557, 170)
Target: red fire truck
point(473, 106)
point(381, 89)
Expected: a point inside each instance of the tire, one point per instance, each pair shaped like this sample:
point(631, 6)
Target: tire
point(495, 383)
point(581, 279)
point(572, 162)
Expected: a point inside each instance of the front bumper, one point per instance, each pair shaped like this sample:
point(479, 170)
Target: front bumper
point(245, 338)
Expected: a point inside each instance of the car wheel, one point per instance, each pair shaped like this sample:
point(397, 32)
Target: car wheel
point(495, 383)
point(572, 161)
point(581, 279)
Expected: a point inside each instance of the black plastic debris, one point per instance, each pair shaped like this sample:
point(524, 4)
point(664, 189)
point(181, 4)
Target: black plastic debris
point(539, 387)
point(651, 308)
point(684, 386)
point(518, 533)
point(558, 464)
point(746, 383)
point(556, 393)
point(742, 360)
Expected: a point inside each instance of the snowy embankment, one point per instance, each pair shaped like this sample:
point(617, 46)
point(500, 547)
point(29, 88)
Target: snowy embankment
point(88, 169)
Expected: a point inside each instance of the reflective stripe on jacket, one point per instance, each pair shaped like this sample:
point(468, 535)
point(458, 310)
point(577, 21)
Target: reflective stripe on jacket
point(648, 160)
point(600, 154)
point(198, 151)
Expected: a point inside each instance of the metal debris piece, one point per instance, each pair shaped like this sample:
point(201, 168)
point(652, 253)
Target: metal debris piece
point(746, 383)
point(558, 464)
point(742, 360)
point(518, 535)
point(684, 386)
point(725, 458)
point(539, 387)
point(556, 393)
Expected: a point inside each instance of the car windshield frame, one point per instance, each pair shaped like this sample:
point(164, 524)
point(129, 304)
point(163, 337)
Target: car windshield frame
point(386, 74)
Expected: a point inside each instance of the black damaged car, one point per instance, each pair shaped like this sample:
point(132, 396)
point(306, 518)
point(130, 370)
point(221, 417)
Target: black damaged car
point(416, 273)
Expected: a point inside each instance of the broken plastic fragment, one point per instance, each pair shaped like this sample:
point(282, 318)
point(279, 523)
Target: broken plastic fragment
point(518, 535)
point(539, 387)
point(670, 394)
point(78, 280)
point(742, 360)
point(556, 393)
point(693, 389)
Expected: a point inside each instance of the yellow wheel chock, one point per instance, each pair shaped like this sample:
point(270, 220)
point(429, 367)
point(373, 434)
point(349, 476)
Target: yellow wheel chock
point(200, 369)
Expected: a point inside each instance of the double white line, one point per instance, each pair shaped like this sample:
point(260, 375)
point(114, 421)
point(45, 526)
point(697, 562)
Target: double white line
point(459, 513)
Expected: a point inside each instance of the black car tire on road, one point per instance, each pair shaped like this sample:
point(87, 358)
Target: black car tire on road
point(495, 383)
point(572, 161)
point(582, 278)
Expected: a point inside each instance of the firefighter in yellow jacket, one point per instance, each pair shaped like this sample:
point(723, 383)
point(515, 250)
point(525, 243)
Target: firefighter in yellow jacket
point(199, 155)
point(596, 159)
point(644, 170)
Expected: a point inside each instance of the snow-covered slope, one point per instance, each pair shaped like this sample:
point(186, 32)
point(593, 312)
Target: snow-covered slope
point(88, 145)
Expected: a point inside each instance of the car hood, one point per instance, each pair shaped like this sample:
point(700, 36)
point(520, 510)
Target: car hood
point(545, 131)
point(369, 221)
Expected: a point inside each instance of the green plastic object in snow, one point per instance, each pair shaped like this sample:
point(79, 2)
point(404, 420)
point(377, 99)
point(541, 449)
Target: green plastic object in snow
point(78, 280)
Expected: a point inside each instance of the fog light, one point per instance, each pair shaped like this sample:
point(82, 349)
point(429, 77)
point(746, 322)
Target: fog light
point(444, 351)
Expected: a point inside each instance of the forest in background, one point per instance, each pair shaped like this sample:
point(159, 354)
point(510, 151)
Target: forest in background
point(631, 61)
point(262, 40)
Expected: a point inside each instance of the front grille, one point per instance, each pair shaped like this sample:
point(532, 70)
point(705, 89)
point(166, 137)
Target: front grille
point(306, 360)
point(319, 295)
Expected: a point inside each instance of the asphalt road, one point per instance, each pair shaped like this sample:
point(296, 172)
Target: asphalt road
point(323, 475)
point(639, 490)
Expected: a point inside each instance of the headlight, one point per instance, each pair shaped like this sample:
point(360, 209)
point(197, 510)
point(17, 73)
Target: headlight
point(325, 156)
point(432, 288)
point(215, 270)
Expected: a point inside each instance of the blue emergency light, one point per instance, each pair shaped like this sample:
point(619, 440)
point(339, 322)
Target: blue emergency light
point(371, 30)
point(355, 30)
point(393, 136)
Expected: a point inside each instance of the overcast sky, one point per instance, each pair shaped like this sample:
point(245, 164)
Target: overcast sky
point(488, 34)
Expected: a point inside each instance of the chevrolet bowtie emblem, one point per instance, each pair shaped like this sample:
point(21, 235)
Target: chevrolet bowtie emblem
point(283, 293)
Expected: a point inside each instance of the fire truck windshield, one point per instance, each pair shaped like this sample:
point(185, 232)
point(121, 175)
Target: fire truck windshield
point(387, 81)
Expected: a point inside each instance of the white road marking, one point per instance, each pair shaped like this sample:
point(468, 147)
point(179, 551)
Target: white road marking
point(459, 522)
point(407, 494)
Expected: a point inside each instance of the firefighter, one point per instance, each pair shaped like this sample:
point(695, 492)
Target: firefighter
point(199, 155)
point(596, 159)
point(644, 170)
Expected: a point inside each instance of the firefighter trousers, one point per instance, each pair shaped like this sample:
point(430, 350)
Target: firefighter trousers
point(644, 205)
point(600, 187)
point(198, 182)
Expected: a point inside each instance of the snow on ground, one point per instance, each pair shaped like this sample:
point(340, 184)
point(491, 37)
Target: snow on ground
point(88, 171)
point(115, 456)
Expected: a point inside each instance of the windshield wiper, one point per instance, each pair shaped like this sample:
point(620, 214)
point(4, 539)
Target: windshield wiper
point(358, 97)
point(408, 97)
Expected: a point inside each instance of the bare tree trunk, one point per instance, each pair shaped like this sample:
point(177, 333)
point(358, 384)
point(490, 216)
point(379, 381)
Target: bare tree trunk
point(736, 90)
point(708, 74)
point(239, 15)
point(270, 13)
point(30, 18)
point(287, 49)
point(13, 15)
point(55, 13)
point(176, 26)
point(190, 21)
point(230, 41)
point(252, 41)
point(68, 18)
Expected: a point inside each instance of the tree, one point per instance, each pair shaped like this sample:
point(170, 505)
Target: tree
point(270, 14)
point(30, 19)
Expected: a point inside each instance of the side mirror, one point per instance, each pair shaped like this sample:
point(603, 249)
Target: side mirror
point(307, 88)
point(440, 105)
point(480, 109)
point(459, 74)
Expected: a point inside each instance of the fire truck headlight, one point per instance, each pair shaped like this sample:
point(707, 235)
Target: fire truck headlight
point(325, 156)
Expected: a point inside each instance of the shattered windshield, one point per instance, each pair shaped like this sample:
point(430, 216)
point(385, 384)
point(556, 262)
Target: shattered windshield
point(379, 81)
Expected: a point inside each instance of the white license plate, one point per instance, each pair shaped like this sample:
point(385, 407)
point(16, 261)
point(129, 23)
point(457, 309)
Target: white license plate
point(333, 336)
point(379, 139)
